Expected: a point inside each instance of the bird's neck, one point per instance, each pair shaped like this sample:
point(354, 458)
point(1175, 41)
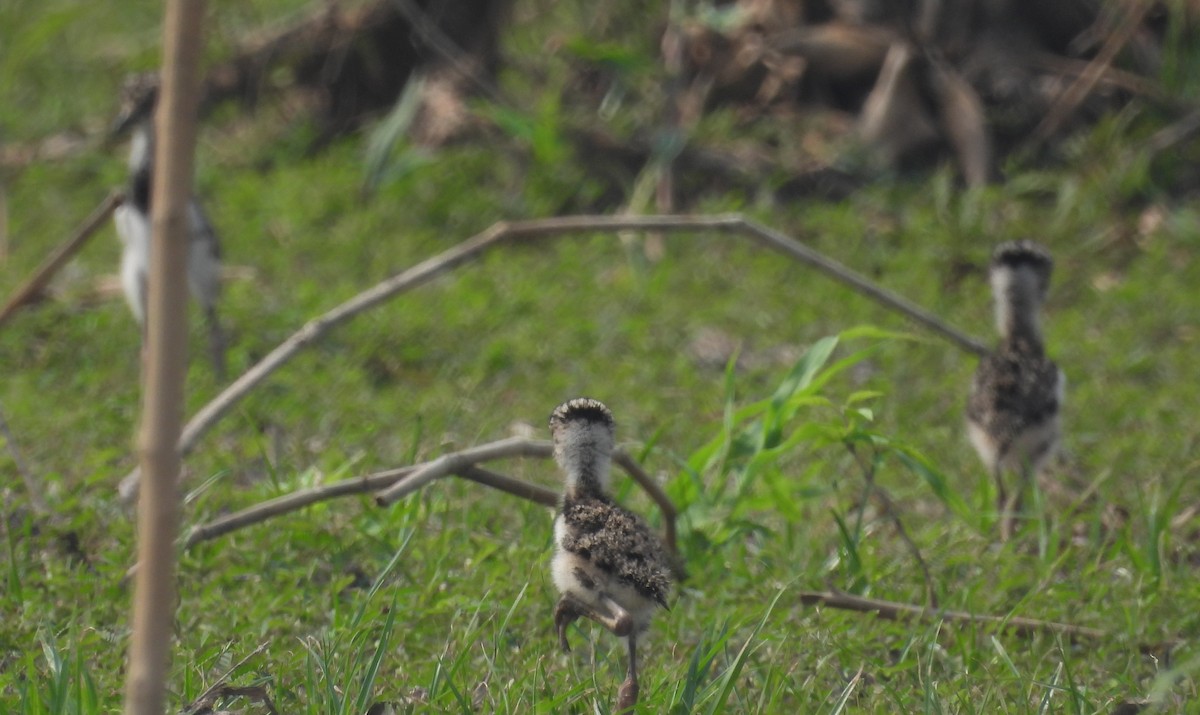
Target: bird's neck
point(1018, 307)
point(586, 466)
point(141, 164)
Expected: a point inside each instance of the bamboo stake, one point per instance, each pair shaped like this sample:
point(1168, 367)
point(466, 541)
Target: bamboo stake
point(503, 232)
point(163, 400)
point(41, 277)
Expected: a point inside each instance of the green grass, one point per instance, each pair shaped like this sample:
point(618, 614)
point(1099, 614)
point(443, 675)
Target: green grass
point(443, 602)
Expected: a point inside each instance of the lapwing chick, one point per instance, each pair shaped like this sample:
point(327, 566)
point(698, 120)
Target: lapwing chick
point(1014, 410)
point(609, 565)
point(139, 96)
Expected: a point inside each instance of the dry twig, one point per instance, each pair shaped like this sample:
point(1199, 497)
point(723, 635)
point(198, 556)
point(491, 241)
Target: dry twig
point(450, 464)
point(894, 611)
point(294, 501)
point(397, 483)
point(505, 232)
point(41, 277)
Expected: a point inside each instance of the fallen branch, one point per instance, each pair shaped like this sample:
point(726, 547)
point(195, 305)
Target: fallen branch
point(41, 277)
point(400, 482)
point(457, 462)
point(665, 505)
point(894, 611)
point(504, 232)
point(405, 480)
point(288, 503)
point(450, 464)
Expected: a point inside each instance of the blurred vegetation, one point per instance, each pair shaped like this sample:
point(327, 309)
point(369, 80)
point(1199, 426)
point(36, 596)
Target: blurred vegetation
point(442, 603)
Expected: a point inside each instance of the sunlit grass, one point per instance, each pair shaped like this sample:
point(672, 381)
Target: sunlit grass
point(443, 603)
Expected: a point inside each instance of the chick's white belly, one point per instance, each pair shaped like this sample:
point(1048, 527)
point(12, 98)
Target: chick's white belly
point(1035, 447)
point(579, 578)
point(1032, 449)
point(134, 232)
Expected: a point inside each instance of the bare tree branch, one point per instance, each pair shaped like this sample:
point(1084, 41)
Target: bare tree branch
point(894, 611)
point(505, 232)
point(451, 463)
point(464, 465)
point(41, 277)
point(292, 502)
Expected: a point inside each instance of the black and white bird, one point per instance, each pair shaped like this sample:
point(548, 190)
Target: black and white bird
point(1014, 412)
point(609, 565)
point(139, 95)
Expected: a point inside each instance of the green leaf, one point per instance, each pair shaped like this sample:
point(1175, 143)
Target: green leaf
point(801, 375)
point(730, 677)
point(390, 132)
point(936, 481)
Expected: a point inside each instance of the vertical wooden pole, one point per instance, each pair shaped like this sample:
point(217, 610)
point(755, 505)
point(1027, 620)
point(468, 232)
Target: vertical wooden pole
point(166, 335)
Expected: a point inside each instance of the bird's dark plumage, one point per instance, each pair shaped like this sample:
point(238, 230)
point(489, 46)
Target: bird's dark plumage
point(581, 408)
point(619, 542)
point(1015, 389)
point(1015, 254)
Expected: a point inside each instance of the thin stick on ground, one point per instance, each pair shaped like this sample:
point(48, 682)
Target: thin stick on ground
point(504, 232)
point(36, 499)
point(895, 611)
point(55, 261)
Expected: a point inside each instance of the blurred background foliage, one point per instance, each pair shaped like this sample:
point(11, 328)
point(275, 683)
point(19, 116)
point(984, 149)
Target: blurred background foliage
point(327, 169)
